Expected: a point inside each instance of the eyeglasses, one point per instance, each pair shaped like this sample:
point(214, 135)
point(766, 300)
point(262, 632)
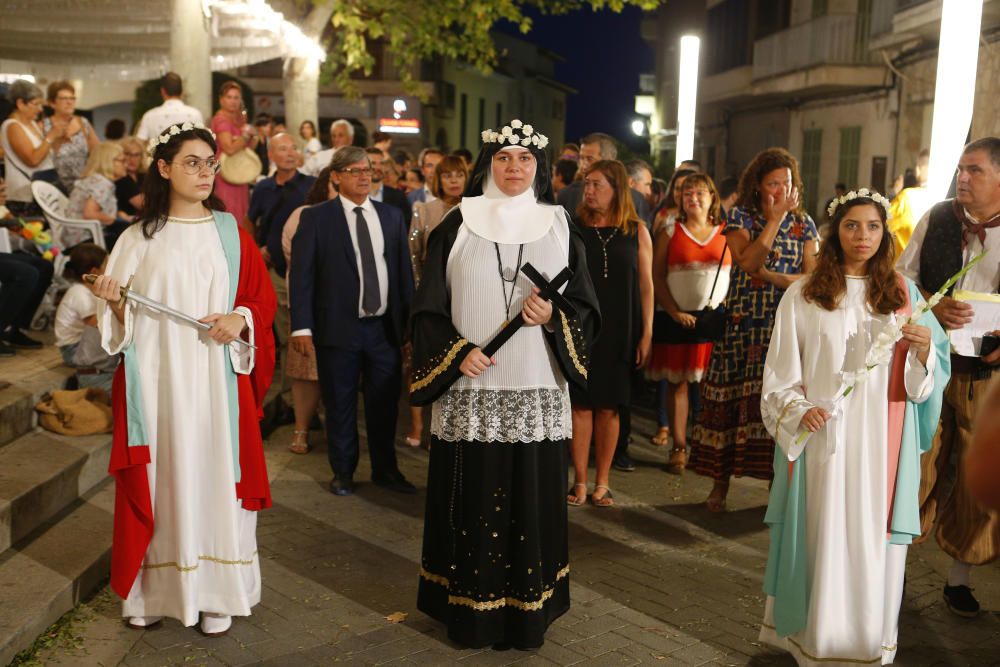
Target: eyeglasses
point(356, 171)
point(192, 166)
point(119, 159)
point(64, 98)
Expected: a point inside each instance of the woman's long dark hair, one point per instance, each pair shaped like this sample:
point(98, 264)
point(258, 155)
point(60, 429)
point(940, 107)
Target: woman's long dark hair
point(827, 285)
point(156, 189)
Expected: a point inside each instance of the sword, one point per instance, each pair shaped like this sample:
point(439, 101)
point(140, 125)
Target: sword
point(131, 294)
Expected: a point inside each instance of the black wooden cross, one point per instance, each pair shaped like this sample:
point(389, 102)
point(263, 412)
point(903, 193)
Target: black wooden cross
point(549, 290)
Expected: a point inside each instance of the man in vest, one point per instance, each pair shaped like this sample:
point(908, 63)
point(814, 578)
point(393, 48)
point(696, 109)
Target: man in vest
point(947, 237)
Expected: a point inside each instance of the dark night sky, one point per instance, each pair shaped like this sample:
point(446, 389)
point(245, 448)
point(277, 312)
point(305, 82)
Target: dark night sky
point(604, 57)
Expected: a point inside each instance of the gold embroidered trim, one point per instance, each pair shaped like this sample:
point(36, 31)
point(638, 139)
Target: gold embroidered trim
point(491, 605)
point(785, 410)
point(853, 661)
point(189, 568)
point(416, 385)
point(571, 346)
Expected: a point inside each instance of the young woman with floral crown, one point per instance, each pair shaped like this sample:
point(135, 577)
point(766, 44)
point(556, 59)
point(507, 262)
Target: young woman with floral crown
point(495, 558)
point(187, 455)
point(851, 410)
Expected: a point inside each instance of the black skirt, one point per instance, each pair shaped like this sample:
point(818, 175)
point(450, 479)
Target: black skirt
point(495, 564)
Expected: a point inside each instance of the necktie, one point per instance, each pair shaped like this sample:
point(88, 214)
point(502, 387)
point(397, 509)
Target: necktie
point(974, 228)
point(370, 299)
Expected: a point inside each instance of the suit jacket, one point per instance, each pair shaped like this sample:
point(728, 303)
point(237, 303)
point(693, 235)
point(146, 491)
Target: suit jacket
point(394, 197)
point(417, 195)
point(324, 286)
point(571, 196)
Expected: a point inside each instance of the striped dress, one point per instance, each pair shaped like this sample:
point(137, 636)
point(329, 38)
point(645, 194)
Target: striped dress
point(730, 437)
point(691, 271)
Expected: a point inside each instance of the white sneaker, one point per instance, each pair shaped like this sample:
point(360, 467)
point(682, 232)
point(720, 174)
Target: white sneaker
point(215, 625)
point(143, 622)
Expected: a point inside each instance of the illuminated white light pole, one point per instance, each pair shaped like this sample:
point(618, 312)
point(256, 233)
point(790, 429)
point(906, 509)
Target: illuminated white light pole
point(954, 91)
point(687, 97)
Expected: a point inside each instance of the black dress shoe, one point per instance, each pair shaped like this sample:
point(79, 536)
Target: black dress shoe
point(623, 462)
point(397, 483)
point(342, 486)
point(16, 338)
point(961, 601)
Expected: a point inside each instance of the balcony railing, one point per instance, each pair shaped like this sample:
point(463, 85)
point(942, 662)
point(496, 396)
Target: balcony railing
point(834, 39)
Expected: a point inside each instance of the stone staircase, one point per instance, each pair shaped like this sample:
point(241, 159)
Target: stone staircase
point(56, 503)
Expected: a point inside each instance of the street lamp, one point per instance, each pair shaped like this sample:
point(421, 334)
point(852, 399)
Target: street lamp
point(638, 127)
point(687, 97)
point(954, 91)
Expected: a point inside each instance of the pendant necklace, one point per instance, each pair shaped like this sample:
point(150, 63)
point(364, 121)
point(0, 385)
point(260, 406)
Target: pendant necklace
point(508, 275)
point(604, 245)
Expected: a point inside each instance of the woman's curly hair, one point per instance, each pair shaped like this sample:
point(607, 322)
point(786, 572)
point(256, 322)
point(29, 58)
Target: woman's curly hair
point(827, 284)
point(766, 161)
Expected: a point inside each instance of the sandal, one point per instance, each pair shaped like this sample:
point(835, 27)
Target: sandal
point(607, 500)
point(678, 461)
point(300, 442)
point(662, 437)
point(716, 501)
point(412, 442)
point(574, 500)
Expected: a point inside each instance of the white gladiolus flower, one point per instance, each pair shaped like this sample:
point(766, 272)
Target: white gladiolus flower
point(935, 300)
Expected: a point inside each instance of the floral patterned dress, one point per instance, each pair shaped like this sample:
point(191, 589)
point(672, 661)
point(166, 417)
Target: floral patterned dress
point(730, 438)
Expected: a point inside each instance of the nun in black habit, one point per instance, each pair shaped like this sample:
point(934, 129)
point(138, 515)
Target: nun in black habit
point(495, 563)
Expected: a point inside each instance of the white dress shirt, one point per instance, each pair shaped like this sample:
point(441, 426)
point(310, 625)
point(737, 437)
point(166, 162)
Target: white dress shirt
point(983, 277)
point(378, 248)
point(171, 112)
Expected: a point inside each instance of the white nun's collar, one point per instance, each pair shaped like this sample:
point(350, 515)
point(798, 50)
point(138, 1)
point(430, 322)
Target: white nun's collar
point(510, 220)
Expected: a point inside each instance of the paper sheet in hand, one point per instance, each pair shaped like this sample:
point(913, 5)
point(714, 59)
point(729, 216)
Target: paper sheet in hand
point(966, 341)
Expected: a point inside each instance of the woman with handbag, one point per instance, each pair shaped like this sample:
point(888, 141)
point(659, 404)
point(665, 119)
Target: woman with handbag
point(234, 136)
point(774, 242)
point(691, 278)
point(619, 258)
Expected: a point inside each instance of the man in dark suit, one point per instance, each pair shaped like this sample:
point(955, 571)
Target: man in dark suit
point(594, 147)
point(382, 192)
point(351, 283)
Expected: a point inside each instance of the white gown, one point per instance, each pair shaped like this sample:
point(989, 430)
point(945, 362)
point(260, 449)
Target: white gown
point(855, 575)
point(203, 554)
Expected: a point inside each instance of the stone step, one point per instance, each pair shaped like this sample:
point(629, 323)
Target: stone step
point(51, 570)
point(24, 378)
point(41, 474)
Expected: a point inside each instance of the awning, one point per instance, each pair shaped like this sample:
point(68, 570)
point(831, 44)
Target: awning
point(130, 39)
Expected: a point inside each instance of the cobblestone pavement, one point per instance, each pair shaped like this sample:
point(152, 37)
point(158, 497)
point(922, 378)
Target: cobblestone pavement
point(656, 580)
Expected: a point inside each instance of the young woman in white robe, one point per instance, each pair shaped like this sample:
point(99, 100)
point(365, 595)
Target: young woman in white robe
point(187, 454)
point(843, 506)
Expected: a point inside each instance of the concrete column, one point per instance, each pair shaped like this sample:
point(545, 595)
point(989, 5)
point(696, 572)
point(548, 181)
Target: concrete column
point(190, 53)
point(300, 86)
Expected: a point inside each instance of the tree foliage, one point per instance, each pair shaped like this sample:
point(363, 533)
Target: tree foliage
point(418, 30)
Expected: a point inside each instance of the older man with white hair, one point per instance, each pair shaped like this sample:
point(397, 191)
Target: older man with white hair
point(341, 134)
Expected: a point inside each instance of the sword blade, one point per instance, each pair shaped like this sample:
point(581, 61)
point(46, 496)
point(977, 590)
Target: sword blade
point(172, 312)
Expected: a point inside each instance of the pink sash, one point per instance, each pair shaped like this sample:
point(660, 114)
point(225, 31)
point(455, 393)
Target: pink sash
point(897, 403)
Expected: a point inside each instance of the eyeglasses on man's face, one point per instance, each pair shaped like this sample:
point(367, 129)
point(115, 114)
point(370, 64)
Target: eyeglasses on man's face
point(65, 98)
point(356, 171)
point(192, 165)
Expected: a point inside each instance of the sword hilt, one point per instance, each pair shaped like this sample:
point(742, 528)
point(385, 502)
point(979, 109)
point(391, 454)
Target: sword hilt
point(91, 278)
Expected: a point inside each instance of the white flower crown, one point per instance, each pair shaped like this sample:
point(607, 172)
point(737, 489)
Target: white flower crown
point(515, 134)
point(863, 192)
point(174, 130)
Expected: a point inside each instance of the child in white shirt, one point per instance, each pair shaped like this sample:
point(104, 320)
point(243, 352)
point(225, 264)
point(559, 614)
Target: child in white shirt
point(76, 323)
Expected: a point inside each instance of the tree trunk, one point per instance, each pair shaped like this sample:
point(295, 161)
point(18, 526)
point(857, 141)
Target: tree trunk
point(190, 53)
point(300, 87)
